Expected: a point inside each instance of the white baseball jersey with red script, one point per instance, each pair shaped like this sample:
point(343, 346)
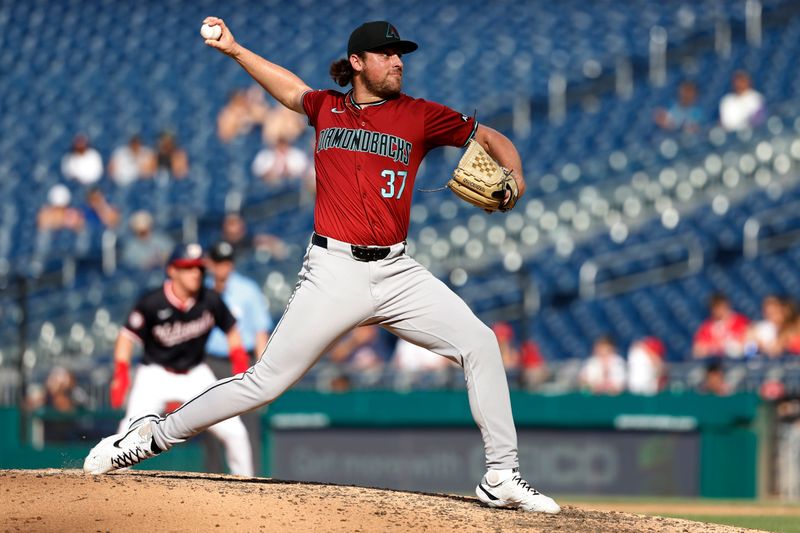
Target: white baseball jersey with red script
point(367, 157)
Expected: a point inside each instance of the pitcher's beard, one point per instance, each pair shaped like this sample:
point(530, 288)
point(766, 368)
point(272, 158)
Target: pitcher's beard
point(384, 89)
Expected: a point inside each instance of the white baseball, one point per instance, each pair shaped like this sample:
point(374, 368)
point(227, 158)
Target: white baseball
point(211, 32)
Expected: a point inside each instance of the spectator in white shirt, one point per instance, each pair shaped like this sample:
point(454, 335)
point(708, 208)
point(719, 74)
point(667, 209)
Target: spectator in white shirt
point(764, 336)
point(646, 366)
point(281, 163)
point(744, 107)
point(131, 162)
point(82, 163)
point(604, 370)
point(409, 357)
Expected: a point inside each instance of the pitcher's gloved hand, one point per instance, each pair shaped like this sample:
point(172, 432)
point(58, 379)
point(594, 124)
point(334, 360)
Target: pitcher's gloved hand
point(480, 181)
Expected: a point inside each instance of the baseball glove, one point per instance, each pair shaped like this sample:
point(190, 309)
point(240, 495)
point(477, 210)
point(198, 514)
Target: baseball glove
point(479, 180)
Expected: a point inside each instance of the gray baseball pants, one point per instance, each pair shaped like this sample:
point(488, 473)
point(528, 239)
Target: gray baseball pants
point(336, 293)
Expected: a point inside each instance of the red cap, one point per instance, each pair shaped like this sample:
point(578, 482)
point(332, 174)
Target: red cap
point(503, 331)
point(531, 355)
point(655, 345)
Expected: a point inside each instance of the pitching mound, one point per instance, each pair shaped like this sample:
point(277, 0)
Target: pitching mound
point(68, 500)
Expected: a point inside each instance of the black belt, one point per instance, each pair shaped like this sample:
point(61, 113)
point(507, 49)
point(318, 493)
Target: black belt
point(175, 370)
point(252, 353)
point(360, 253)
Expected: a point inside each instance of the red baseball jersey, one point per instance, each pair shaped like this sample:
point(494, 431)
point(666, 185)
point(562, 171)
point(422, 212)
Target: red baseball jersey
point(366, 160)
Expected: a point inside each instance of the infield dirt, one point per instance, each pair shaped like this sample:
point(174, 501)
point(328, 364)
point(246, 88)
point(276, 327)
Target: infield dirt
point(68, 500)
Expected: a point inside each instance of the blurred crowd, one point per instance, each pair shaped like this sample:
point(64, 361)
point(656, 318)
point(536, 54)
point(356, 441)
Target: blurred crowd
point(280, 160)
point(248, 112)
point(370, 357)
point(77, 206)
point(368, 354)
point(742, 108)
point(727, 333)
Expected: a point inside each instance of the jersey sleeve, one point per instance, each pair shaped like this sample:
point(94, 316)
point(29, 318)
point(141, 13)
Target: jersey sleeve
point(222, 315)
point(312, 103)
point(136, 323)
point(446, 127)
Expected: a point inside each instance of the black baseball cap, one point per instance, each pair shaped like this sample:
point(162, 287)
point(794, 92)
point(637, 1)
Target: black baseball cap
point(187, 256)
point(222, 251)
point(377, 34)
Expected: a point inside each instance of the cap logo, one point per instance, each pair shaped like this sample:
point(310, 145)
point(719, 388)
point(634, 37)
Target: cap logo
point(136, 320)
point(194, 251)
point(391, 32)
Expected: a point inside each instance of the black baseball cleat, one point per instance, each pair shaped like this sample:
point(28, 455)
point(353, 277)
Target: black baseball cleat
point(124, 449)
point(514, 492)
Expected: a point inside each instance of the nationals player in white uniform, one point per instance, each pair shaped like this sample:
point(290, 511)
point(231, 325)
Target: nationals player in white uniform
point(370, 143)
point(173, 323)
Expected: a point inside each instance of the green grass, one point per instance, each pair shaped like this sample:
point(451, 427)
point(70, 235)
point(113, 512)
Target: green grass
point(675, 500)
point(761, 516)
point(784, 524)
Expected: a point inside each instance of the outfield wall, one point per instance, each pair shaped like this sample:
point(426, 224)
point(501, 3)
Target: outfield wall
point(665, 445)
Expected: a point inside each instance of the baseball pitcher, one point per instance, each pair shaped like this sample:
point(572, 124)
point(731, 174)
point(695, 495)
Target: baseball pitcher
point(370, 141)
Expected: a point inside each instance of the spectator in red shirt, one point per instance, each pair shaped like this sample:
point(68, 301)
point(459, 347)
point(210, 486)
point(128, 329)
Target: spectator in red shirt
point(534, 365)
point(723, 334)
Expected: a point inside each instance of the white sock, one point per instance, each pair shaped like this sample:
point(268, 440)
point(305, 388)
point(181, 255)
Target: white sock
point(495, 477)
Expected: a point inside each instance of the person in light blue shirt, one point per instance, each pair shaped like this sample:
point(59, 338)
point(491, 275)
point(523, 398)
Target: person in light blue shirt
point(684, 115)
point(246, 301)
point(243, 297)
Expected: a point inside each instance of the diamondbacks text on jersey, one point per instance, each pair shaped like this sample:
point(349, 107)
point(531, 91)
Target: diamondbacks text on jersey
point(367, 158)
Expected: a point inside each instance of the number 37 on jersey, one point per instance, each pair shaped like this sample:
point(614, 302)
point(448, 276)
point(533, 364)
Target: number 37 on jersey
point(394, 184)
